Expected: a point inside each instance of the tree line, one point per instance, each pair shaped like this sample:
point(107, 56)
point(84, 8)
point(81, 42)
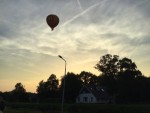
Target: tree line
point(119, 75)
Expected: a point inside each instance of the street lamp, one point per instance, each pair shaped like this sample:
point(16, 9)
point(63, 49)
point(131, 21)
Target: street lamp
point(62, 106)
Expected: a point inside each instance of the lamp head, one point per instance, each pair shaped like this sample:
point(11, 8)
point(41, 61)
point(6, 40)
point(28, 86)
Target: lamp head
point(60, 56)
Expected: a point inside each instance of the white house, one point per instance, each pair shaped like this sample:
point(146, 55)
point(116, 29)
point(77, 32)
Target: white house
point(90, 94)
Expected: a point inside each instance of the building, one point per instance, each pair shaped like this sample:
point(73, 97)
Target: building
point(91, 94)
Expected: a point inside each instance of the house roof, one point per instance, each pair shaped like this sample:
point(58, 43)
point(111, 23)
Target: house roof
point(97, 91)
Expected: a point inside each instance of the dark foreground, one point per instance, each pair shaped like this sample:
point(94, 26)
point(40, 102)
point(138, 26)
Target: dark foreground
point(75, 108)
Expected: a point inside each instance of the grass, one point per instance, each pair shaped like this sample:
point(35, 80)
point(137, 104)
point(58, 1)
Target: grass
point(10, 110)
point(75, 108)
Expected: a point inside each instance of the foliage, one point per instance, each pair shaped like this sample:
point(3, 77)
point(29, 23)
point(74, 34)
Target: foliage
point(2, 104)
point(19, 88)
point(115, 68)
point(108, 65)
point(88, 78)
point(48, 89)
point(123, 79)
point(119, 75)
point(19, 93)
point(72, 86)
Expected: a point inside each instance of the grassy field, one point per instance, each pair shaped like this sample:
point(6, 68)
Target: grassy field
point(9, 110)
point(75, 108)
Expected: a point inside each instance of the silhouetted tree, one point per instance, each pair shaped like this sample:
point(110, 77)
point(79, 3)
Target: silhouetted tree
point(41, 90)
point(129, 89)
point(19, 93)
point(88, 78)
point(128, 69)
point(109, 68)
point(19, 88)
point(8, 96)
point(120, 76)
point(52, 82)
point(72, 86)
point(108, 65)
point(48, 89)
point(52, 86)
point(2, 104)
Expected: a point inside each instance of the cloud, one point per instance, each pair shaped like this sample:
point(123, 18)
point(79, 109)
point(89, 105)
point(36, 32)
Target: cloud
point(78, 1)
point(81, 14)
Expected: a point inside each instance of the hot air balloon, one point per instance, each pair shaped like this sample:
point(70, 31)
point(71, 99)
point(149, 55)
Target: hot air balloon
point(52, 20)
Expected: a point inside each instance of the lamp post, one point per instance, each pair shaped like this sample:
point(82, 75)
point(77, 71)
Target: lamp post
point(62, 106)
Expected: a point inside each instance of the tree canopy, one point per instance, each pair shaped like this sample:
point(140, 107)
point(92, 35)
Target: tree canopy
point(112, 66)
point(120, 76)
point(49, 88)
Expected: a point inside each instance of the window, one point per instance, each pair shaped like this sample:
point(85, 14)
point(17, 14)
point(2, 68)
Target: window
point(85, 99)
point(91, 99)
point(78, 99)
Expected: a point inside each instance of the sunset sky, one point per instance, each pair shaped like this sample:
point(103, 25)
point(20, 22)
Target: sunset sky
point(88, 29)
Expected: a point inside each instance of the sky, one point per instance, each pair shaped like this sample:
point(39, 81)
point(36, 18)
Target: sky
point(88, 29)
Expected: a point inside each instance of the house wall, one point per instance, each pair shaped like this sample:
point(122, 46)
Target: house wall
point(86, 98)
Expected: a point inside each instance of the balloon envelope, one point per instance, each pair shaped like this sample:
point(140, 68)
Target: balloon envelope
point(52, 20)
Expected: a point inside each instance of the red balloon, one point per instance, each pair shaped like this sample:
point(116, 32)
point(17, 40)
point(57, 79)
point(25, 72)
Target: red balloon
point(52, 20)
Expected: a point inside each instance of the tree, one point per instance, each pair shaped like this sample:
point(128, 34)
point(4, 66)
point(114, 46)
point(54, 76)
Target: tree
point(113, 67)
point(88, 78)
point(120, 77)
point(48, 89)
point(19, 88)
point(109, 68)
point(19, 93)
point(52, 86)
point(128, 69)
point(108, 65)
point(52, 82)
point(2, 104)
point(72, 86)
point(41, 90)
